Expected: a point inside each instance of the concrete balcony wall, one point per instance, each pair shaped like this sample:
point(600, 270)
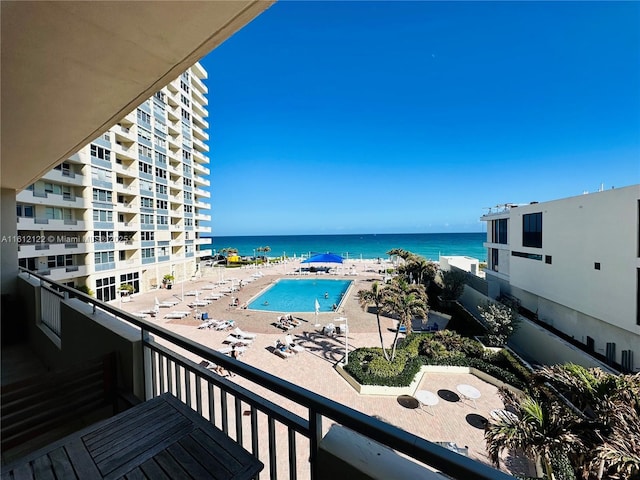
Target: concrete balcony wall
point(64, 226)
point(201, 169)
point(199, 145)
point(200, 157)
point(84, 335)
point(65, 274)
point(346, 454)
point(201, 181)
point(50, 199)
point(58, 177)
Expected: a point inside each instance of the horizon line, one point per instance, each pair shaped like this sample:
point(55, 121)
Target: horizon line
point(327, 234)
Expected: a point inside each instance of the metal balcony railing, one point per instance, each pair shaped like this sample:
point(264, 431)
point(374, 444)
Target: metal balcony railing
point(283, 438)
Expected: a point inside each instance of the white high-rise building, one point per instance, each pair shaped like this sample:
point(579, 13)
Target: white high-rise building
point(575, 263)
point(130, 206)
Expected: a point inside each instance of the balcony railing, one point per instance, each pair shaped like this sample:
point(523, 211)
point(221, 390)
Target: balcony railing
point(167, 368)
point(50, 308)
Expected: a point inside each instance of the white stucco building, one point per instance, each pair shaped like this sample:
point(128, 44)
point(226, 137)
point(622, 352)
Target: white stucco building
point(574, 262)
point(129, 207)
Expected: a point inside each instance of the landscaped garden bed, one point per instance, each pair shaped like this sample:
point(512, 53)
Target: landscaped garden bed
point(368, 366)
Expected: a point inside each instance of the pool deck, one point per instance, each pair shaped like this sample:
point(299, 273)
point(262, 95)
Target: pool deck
point(459, 422)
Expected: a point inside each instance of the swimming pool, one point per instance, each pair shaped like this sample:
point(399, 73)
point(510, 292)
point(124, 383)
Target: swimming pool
point(288, 295)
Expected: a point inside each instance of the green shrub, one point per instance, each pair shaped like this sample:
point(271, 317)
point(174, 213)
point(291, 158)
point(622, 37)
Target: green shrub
point(383, 368)
point(411, 343)
point(472, 348)
point(365, 365)
point(507, 361)
point(85, 289)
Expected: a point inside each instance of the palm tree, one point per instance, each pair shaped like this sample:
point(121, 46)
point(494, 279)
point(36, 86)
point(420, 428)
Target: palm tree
point(266, 250)
point(542, 430)
point(610, 408)
point(420, 270)
point(399, 252)
point(259, 249)
point(374, 296)
point(405, 301)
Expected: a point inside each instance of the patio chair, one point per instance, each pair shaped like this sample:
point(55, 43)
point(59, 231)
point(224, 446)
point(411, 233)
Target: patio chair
point(288, 340)
point(239, 333)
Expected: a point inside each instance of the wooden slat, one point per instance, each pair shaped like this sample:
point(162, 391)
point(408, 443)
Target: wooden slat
point(124, 428)
point(42, 468)
point(61, 464)
point(169, 465)
point(189, 463)
point(82, 462)
point(153, 471)
point(23, 472)
point(205, 453)
point(135, 474)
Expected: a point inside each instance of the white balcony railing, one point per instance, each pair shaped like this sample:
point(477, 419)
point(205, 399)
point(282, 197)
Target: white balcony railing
point(202, 193)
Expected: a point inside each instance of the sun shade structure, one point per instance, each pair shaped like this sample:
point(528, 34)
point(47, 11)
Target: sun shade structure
point(324, 258)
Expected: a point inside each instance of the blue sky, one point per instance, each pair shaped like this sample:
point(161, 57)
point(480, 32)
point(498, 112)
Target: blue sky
point(394, 117)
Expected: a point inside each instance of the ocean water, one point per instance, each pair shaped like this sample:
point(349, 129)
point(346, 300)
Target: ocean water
point(428, 245)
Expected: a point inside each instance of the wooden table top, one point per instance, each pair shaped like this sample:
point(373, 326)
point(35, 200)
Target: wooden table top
point(158, 439)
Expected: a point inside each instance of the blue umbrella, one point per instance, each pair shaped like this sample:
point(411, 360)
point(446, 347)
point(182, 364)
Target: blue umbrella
point(324, 258)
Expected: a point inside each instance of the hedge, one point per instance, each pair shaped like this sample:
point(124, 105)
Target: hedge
point(368, 367)
point(494, 371)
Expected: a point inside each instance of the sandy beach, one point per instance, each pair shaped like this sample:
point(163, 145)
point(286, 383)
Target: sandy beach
point(314, 368)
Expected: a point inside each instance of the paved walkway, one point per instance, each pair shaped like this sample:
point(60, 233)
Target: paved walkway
point(453, 421)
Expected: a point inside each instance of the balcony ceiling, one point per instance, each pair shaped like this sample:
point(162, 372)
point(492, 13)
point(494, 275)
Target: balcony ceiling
point(70, 70)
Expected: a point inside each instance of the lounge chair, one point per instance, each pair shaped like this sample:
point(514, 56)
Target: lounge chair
point(199, 303)
point(213, 367)
point(239, 333)
point(227, 350)
point(288, 340)
point(176, 315)
point(281, 350)
point(224, 325)
point(235, 340)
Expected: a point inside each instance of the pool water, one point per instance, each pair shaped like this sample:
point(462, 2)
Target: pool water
point(288, 295)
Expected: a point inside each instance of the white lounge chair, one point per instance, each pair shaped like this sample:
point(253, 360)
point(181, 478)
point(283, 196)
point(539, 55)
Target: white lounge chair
point(227, 350)
point(224, 325)
point(199, 303)
point(288, 340)
point(281, 353)
point(234, 340)
point(239, 333)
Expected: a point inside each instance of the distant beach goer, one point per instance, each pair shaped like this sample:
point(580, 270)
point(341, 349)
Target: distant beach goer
point(265, 303)
point(326, 294)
